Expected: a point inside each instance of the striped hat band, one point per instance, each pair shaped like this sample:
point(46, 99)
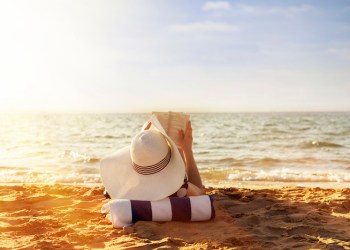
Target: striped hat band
point(155, 168)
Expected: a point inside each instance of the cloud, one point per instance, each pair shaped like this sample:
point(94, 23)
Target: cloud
point(217, 5)
point(293, 9)
point(287, 11)
point(207, 26)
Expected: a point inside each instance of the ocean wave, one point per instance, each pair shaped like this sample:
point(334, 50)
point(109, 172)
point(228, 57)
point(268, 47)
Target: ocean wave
point(8, 168)
point(302, 129)
point(203, 152)
point(88, 159)
point(267, 161)
point(107, 136)
point(279, 131)
point(93, 160)
point(36, 154)
point(230, 161)
point(227, 160)
point(217, 147)
point(287, 175)
point(81, 158)
point(15, 176)
point(251, 161)
point(270, 162)
point(274, 162)
point(320, 144)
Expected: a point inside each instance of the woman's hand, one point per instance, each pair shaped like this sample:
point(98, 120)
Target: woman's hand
point(147, 125)
point(185, 138)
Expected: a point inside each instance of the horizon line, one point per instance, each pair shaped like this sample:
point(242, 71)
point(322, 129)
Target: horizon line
point(190, 112)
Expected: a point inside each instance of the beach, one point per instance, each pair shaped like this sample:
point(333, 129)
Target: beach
point(39, 216)
point(278, 180)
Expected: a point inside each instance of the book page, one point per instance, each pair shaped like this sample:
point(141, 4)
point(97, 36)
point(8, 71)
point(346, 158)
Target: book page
point(172, 122)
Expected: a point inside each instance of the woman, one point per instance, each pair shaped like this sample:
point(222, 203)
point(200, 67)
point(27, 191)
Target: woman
point(152, 167)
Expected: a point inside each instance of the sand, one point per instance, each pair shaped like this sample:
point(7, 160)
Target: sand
point(68, 217)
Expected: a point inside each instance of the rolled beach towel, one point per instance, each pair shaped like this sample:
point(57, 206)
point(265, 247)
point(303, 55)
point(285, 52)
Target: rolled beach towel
point(124, 212)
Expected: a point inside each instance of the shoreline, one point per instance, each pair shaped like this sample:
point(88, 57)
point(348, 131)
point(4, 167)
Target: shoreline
point(223, 184)
point(278, 184)
point(68, 217)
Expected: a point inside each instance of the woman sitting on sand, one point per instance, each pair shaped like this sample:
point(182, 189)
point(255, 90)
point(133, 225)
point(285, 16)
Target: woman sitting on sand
point(152, 167)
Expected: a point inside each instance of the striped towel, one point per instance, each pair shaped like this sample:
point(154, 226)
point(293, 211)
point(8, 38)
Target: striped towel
point(124, 212)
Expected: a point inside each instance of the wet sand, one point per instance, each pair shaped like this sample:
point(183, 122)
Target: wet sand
point(68, 217)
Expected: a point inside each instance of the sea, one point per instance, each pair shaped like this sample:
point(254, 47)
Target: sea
point(231, 149)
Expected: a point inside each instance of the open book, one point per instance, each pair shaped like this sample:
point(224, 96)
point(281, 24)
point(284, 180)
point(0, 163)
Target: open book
point(172, 122)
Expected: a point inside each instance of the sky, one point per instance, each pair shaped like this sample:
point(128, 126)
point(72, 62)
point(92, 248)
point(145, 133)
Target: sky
point(193, 56)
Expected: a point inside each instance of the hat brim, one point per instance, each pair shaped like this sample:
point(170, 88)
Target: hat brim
point(123, 182)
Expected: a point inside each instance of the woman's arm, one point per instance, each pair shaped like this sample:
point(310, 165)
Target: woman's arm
point(193, 190)
point(185, 143)
point(195, 186)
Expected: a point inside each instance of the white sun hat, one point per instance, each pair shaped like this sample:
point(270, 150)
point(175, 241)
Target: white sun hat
point(151, 168)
